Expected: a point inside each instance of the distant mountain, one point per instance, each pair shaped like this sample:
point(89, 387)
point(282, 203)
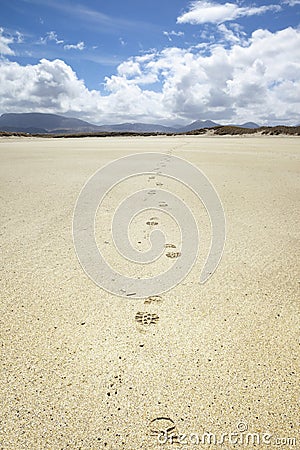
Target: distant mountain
point(43, 123)
point(40, 123)
point(53, 123)
point(249, 125)
point(138, 128)
point(154, 128)
point(197, 125)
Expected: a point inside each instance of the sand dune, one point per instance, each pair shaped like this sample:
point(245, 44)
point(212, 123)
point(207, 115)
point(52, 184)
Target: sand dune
point(86, 369)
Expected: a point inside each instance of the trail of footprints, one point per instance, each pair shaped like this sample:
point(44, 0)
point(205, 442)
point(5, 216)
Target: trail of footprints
point(152, 222)
point(145, 319)
point(159, 427)
point(163, 427)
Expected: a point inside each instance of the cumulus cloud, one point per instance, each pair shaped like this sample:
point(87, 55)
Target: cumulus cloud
point(47, 86)
point(79, 46)
point(202, 11)
point(5, 41)
point(258, 80)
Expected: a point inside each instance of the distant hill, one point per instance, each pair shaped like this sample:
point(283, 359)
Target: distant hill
point(248, 125)
point(45, 123)
point(54, 123)
point(138, 128)
point(40, 123)
point(197, 125)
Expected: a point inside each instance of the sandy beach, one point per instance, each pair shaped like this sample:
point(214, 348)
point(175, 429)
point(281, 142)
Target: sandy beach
point(84, 369)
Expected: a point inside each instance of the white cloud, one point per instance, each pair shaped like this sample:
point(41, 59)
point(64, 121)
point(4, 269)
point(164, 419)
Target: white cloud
point(47, 86)
point(19, 37)
point(4, 44)
point(6, 39)
point(173, 33)
point(202, 11)
point(258, 80)
point(232, 35)
point(129, 69)
point(79, 46)
point(292, 2)
point(51, 36)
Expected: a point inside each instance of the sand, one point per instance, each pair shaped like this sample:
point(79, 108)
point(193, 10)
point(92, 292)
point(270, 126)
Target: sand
point(84, 369)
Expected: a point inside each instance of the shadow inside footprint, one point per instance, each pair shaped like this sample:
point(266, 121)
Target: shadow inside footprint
point(170, 246)
point(173, 255)
point(153, 299)
point(146, 319)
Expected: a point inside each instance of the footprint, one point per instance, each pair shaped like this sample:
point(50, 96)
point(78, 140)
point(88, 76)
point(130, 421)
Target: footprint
point(152, 177)
point(170, 246)
point(151, 222)
point(164, 428)
point(173, 255)
point(159, 184)
point(152, 192)
point(146, 319)
point(163, 204)
point(153, 299)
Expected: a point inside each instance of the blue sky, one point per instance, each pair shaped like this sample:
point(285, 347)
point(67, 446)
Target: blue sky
point(159, 61)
